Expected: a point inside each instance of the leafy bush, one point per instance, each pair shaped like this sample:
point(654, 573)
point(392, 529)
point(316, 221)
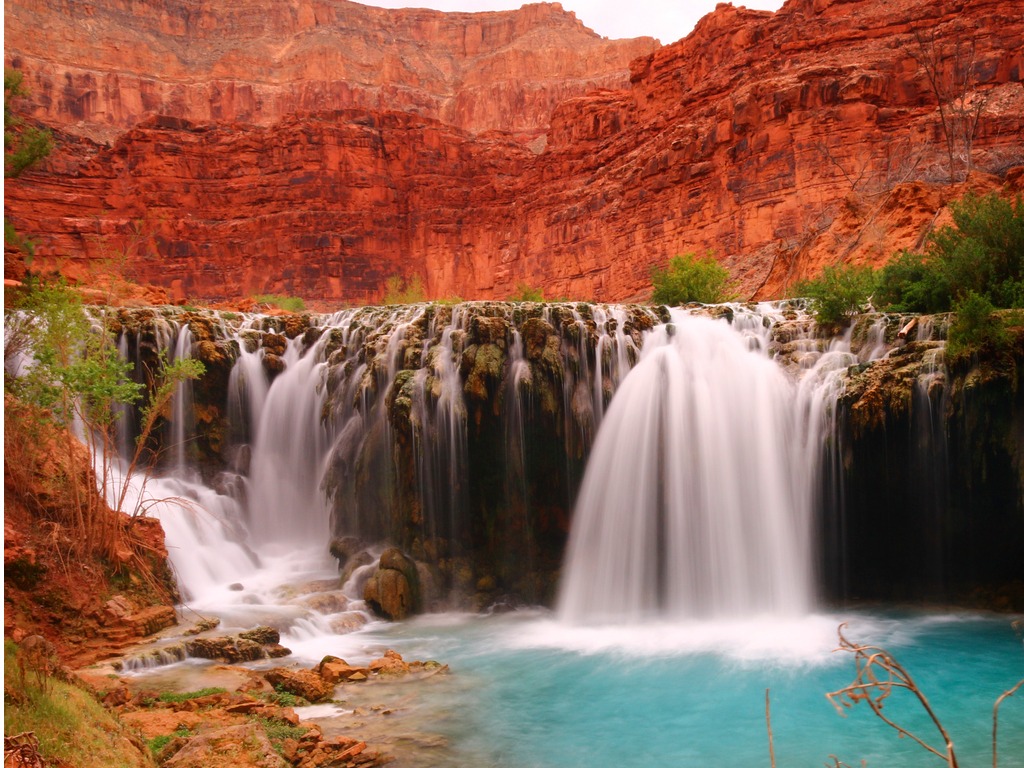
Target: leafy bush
point(23, 146)
point(839, 293)
point(975, 328)
point(984, 249)
point(286, 303)
point(526, 292)
point(908, 283)
point(403, 290)
point(689, 278)
point(982, 252)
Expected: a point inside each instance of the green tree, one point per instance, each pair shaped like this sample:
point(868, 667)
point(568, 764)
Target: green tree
point(63, 370)
point(689, 278)
point(909, 283)
point(839, 293)
point(982, 252)
point(23, 148)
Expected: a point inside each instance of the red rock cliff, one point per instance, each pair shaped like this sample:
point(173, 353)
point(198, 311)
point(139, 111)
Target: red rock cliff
point(783, 142)
point(98, 67)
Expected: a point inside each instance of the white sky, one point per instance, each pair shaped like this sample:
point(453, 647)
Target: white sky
point(667, 20)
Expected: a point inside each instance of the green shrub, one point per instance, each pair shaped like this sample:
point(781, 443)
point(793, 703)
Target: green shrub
point(688, 278)
point(908, 283)
point(402, 290)
point(982, 252)
point(839, 293)
point(526, 292)
point(23, 146)
point(286, 303)
point(975, 328)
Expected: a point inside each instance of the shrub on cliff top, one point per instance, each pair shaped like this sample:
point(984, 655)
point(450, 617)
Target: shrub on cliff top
point(839, 293)
point(982, 252)
point(689, 278)
point(404, 290)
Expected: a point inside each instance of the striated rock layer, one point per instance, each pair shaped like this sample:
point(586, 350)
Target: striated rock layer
point(782, 142)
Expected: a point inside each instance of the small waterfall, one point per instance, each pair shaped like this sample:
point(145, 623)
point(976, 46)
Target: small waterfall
point(183, 412)
point(696, 498)
point(286, 503)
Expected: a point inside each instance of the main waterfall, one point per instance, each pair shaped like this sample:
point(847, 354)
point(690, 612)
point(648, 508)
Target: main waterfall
point(696, 496)
point(461, 435)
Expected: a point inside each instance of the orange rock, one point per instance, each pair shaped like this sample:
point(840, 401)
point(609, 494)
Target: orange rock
point(783, 142)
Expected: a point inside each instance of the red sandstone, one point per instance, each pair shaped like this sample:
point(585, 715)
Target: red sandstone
point(782, 142)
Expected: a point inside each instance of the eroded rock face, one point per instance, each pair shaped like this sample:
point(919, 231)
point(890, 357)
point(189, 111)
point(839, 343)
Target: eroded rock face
point(253, 63)
point(783, 142)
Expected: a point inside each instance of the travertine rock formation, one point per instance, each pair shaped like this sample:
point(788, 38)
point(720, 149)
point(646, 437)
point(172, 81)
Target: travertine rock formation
point(782, 142)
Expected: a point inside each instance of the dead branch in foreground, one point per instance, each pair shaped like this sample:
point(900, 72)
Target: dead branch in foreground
point(995, 720)
point(878, 675)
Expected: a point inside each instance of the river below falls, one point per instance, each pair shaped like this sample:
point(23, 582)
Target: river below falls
point(527, 691)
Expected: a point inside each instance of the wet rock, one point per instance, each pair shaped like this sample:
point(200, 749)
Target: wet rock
point(334, 671)
point(237, 648)
point(390, 665)
point(393, 590)
point(344, 547)
point(300, 682)
point(262, 635)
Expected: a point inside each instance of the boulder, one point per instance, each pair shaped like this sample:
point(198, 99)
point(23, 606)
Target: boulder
point(393, 591)
point(339, 671)
point(300, 682)
point(390, 664)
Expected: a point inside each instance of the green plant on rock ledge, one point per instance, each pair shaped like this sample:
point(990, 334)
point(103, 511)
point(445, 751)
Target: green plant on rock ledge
point(286, 303)
point(839, 294)
point(525, 292)
point(404, 290)
point(975, 328)
point(689, 278)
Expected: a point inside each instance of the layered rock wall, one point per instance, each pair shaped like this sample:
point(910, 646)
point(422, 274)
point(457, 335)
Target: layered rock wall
point(100, 67)
point(781, 142)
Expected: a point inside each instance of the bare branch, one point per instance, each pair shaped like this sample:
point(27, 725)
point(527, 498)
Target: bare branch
point(878, 675)
point(995, 719)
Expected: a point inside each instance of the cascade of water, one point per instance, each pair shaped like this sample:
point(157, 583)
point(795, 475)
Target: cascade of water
point(696, 499)
point(182, 413)
point(286, 503)
point(439, 433)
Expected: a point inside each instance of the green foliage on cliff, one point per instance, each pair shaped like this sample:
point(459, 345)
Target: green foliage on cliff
point(839, 293)
point(982, 252)
point(404, 290)
point(23, 146)
point(689, 278)
point(975, 328)
point(287, 303)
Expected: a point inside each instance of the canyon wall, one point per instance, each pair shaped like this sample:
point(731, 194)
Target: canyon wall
point(781, 142)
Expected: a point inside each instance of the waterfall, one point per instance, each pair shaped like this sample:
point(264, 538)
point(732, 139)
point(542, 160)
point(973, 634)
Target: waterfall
point(696, 497)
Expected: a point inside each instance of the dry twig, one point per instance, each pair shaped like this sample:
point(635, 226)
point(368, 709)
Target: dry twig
point(995, 720)
point(878, 675)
